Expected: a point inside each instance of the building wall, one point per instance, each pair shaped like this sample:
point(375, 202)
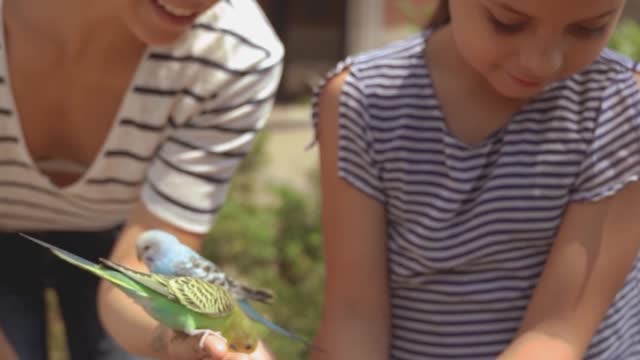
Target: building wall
point(313, 33)
point(403, 12)
point(633, 9)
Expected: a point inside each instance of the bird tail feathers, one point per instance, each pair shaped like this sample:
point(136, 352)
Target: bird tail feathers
point(260, 295)
point(114, 277)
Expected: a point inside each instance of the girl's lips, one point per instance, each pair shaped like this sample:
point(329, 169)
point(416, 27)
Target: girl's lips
point(526, 82)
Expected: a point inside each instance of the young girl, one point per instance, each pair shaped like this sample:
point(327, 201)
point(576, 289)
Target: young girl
point(131, 112)
point(479, 189)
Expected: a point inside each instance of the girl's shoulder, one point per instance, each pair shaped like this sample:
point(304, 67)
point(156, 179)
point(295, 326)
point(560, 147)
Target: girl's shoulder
point(617, 61)
point(610, 78)
point(609, 68)
point(399, 54)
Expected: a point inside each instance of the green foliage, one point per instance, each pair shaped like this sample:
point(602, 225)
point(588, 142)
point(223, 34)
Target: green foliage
point(626, 39)
point(415, 15)
point(275, 245)
point(57, 342)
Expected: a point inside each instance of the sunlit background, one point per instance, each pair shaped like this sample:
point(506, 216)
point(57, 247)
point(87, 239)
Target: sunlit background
point(268, 232)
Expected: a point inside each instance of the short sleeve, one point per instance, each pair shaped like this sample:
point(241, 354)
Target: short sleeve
point(356, 158)
point(613, 157)
point(189, 178)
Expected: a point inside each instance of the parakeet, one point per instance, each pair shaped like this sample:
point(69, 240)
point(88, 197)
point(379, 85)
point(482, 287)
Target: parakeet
point(189, 305)
point(164, 254)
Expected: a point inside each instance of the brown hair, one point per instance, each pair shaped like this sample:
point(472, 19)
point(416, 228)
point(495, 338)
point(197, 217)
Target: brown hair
point(441, 15)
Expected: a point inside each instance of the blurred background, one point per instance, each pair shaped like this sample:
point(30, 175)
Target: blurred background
point(268, 233)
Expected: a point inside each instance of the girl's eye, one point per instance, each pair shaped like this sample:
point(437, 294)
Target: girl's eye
point(586, 31)
point(506, 28)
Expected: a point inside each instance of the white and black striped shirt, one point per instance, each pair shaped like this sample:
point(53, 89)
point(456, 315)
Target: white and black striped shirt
point(187, 120)
point(470, 227)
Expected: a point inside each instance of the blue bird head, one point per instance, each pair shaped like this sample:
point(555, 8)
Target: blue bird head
point(159, 250)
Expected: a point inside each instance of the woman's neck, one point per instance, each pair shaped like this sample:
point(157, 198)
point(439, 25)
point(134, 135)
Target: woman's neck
point(71, 28)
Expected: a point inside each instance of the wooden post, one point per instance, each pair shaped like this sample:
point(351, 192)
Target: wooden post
point(365, 25)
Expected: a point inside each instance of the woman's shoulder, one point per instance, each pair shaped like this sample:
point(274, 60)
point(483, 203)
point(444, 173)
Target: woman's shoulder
point(234, 32)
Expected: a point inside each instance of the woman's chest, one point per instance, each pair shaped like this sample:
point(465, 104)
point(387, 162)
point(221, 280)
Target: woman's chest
point(66, 114)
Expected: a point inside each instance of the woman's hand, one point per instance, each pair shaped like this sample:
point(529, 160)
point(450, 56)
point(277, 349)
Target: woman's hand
point(219, 351)
point(177, 346)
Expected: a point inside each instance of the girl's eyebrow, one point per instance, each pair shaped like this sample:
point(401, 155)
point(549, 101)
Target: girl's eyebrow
point(600, 16)
point(507, 7)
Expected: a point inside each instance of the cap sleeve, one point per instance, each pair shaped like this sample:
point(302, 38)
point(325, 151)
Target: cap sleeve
point(613, 157)
point(356, 157)
point(189, 178)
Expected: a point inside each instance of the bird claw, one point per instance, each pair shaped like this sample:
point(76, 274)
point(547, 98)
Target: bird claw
point(205, 333)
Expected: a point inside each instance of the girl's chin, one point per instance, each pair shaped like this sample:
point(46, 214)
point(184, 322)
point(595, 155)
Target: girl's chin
point(512, 89)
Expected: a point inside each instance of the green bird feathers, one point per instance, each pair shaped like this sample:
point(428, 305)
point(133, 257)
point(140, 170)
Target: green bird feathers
point(181, 303)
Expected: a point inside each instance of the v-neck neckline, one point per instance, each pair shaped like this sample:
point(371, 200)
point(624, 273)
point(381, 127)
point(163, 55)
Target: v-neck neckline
point(14, 117)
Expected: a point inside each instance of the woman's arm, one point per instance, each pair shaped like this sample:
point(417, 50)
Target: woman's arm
point(6, 350)
point(355, 321)
point(130, 326)
point(593, 252)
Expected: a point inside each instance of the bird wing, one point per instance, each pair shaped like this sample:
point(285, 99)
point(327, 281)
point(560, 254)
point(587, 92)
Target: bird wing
point(201, 296)
point(155, 282)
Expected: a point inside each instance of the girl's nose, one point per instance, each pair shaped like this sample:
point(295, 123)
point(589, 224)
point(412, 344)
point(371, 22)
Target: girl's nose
point(542, 61)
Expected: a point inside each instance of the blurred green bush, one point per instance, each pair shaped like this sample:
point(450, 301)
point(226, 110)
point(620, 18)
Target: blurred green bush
point(626, 39)
point(274, 244)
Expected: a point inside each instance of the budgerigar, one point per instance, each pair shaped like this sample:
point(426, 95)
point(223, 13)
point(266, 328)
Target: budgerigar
point(189, 305)
point(164, 254)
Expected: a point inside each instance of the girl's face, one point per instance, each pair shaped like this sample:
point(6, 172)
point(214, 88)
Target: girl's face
point(521, 46)
point(158, 22)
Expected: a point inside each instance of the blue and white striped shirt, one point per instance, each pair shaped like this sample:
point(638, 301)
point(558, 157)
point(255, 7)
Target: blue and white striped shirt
point(470, 227)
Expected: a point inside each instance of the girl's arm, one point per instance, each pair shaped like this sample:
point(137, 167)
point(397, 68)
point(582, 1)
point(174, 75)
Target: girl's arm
point(355, 321)
point(130, 326)
point(595, 248)
point(593, 252)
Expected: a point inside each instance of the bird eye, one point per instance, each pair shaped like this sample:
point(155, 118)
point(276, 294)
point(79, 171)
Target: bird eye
point(146, 247)
point(248, 347)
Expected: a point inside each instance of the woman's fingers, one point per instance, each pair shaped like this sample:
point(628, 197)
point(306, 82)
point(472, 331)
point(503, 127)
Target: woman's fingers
point(184, 347)
point(216, 347)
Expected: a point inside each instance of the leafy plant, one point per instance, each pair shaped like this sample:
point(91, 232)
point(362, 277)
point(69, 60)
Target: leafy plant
point(415, 15)
point(626, 39)
point(275, 245)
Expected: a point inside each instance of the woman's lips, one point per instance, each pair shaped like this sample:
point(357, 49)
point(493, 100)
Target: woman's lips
point(172, 18)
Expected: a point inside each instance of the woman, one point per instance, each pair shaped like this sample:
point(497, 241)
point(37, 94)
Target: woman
point(116, 117)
